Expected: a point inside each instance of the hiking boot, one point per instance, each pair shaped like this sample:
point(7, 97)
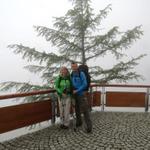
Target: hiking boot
point(61, 126)
point(89, 127)
point(65, 127)
point(89, 130)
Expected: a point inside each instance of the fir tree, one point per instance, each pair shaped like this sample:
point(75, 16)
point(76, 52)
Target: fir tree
point(78, 38)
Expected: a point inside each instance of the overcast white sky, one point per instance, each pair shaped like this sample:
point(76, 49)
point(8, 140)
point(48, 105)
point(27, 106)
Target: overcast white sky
point(17, 18)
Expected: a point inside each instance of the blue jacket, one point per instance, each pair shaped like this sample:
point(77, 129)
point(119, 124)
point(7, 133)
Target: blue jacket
point(79, 82)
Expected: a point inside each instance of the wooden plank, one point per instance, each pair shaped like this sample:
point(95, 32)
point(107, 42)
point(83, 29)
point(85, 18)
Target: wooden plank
point(14, 117)
point(96, 98)
point(125, 99)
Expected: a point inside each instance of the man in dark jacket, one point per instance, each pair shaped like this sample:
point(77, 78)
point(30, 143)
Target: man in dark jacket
point(81, 104)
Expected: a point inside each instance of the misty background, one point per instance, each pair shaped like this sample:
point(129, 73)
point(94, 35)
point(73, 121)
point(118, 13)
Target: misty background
point(17, 18)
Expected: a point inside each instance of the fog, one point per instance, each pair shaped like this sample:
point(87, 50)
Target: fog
point(17, 18)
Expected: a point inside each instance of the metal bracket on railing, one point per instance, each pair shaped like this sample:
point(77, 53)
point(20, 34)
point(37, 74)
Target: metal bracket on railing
point(103, 98)
point(147, 100)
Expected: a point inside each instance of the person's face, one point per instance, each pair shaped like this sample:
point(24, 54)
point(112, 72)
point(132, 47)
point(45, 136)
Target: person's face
point(74, 67)
point(64, 71)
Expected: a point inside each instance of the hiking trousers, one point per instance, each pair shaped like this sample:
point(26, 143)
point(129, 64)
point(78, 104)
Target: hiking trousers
point(81, 106)
point(64, 109)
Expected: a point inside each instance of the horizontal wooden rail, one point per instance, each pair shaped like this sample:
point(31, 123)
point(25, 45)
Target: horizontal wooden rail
point(3, 97)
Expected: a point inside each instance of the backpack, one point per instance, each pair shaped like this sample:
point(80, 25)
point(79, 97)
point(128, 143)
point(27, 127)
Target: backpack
point(85, 69)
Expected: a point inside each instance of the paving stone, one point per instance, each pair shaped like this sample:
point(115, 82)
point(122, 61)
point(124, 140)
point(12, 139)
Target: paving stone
point(111, 131)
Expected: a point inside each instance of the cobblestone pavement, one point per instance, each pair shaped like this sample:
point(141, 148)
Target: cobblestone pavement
point(111, 131)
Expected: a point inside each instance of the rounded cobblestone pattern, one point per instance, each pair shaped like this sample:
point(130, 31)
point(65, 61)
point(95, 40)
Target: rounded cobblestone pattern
point(111, 131)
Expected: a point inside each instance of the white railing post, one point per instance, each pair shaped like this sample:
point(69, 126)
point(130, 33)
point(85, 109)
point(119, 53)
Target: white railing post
point(91, 95)
point(103, 98)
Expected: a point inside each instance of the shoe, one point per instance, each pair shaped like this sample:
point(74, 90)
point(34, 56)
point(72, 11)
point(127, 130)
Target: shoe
point(61, 126)
point(89, 130)
point(65, 127)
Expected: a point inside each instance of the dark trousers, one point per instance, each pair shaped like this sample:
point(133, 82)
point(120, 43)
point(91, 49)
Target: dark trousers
point(81, 106)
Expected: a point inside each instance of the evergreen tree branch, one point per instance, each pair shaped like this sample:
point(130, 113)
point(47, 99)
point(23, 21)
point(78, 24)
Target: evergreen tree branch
point(29, 53)
point(21, 86)
point(120, 72)
point(61, 23)
point(101, 41)
point(107, 42)
point(34, 68)
point(102, 15)
point(127, 39)
point(62, 59)
point(32, 55)
point(57, 38)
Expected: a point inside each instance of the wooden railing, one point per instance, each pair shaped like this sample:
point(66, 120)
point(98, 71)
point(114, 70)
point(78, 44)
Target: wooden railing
point(14, 117)
point(119, 98)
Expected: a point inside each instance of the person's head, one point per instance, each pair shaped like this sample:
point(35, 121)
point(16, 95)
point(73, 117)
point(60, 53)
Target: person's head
point(64, 71)
point(74, 66)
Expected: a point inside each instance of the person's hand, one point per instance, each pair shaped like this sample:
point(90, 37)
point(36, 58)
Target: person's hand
point(64, 95)
point(74, 91)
